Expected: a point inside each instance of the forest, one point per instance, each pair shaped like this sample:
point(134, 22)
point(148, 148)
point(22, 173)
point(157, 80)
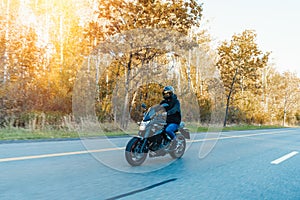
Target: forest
point(64, 62)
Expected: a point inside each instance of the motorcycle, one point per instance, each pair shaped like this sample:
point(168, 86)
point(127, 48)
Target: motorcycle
point(153, 140)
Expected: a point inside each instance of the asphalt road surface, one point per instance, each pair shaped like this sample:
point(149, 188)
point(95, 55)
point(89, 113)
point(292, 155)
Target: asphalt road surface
point(261, 164)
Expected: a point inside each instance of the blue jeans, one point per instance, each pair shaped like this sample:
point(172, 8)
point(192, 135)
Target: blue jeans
point(170, 130)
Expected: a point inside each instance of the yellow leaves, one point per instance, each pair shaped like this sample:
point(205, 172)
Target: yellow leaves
point(13, 78)
point(239, 63)
point(2, 92)
point(156, 14)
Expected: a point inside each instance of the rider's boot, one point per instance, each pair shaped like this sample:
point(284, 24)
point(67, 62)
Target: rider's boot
point(173, 144)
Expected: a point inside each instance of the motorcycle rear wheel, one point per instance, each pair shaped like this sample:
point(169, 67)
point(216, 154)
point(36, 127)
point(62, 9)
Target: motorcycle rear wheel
point(133, 153)
point(180, 148)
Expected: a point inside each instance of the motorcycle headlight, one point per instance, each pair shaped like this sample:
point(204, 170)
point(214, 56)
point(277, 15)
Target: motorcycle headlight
point(143, 125)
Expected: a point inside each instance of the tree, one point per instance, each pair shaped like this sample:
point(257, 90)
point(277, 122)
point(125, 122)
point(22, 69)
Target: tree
point(240, 63)
point(289, 93)
point(120, 16)
point(41, 48)
point(117, 16)
point(282, 97)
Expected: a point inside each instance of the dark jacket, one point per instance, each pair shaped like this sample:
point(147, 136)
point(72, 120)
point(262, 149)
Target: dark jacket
point(173, 110)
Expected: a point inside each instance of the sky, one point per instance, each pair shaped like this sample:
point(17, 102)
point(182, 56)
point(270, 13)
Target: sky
point(276, 23)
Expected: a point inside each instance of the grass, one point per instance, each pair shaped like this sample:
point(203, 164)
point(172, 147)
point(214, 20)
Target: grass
point(250, 127)
point(195, 128)
point(232, 128)
point(25, 134)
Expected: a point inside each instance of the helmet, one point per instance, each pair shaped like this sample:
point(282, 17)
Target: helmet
point(168, 92)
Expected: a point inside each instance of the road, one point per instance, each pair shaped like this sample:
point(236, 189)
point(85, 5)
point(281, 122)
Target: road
point(261, 164)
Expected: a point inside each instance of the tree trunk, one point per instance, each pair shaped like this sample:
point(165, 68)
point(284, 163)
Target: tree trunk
point(5, 62)
point(227, 109)
point(284, 110)
point(229, 96)
point(284, 117)
point(125, 114)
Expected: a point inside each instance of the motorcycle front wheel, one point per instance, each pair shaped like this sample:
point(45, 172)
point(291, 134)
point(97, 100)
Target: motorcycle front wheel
point(180, 147)
point(133, 153)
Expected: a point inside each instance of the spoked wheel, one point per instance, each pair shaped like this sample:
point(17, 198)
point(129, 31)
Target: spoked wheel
point(133, 153)
point(180, 147)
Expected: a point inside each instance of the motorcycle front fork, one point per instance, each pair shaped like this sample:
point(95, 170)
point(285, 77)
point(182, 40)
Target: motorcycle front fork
point(143, 146)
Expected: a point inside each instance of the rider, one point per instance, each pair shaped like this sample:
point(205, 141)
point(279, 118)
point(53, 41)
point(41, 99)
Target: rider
point(173, 113)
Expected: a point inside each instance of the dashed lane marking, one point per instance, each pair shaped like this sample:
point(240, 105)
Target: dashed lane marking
point(284, 158)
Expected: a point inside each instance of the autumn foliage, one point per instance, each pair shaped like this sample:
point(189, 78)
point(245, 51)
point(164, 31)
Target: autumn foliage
point(43, 49)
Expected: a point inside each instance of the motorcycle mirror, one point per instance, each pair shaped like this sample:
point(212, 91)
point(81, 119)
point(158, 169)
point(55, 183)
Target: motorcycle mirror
point(144, 106)
point(165, 105)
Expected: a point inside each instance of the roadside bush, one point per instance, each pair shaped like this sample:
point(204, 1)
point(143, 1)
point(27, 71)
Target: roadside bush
point(236, 116)
point(37, 120)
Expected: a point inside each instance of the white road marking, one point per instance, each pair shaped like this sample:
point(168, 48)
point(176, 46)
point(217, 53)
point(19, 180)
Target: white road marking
point(238, 136)
point(58, 154)
point(285, 157)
